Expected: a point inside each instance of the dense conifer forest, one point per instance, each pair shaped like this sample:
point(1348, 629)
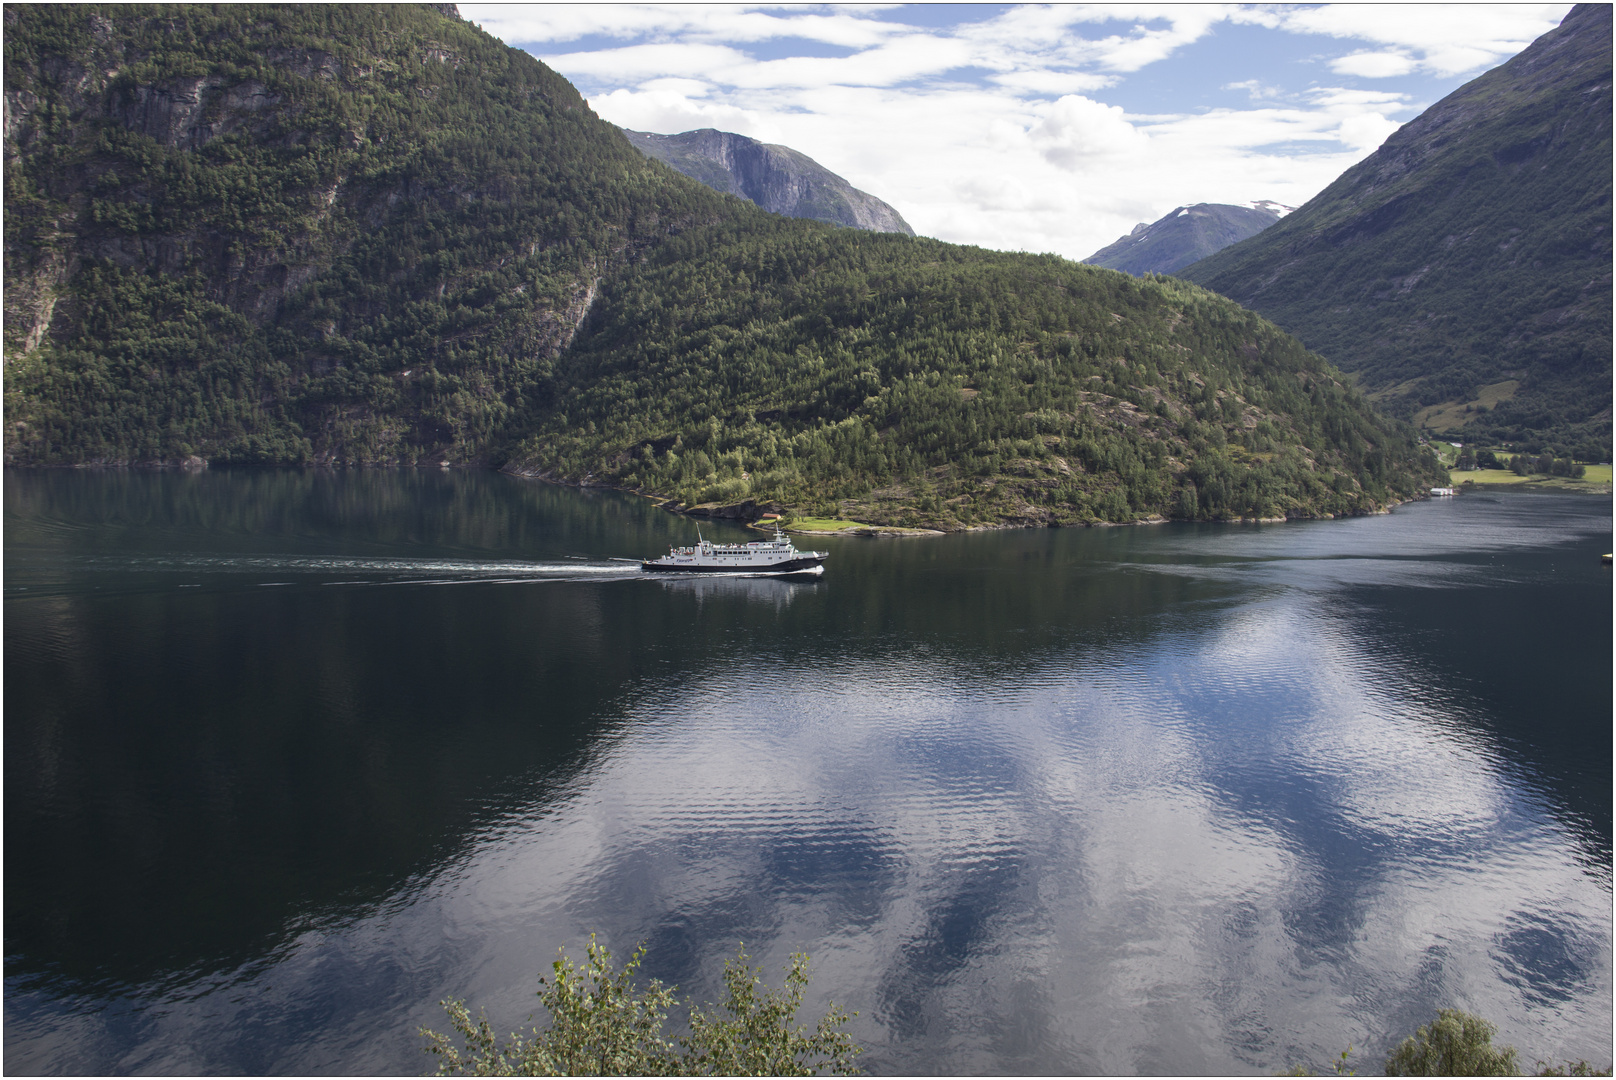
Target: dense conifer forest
point(377, 236)
point(923, 382)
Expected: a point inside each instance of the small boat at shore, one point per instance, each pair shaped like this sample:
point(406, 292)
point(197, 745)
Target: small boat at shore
point(775, 556)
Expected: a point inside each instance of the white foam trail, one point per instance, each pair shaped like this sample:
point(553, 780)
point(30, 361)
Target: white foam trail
point(369, 571)
point(415, 571)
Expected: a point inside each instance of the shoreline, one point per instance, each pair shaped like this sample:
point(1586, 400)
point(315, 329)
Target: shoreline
point(750, 517)
point(748, 513)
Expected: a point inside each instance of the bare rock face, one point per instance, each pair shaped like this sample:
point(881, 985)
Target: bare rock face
point(777, 178)
point(188, 113)
point(1185, 235)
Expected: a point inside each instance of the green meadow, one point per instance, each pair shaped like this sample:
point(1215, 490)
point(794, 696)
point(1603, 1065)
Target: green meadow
point(834, 525)
point(813, 524)
point(1597, 478)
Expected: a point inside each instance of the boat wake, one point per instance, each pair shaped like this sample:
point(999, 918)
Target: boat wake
point(103, 574)
point(280, 571)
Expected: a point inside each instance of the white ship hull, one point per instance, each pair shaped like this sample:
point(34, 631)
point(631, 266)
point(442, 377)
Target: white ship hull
point(776, 556)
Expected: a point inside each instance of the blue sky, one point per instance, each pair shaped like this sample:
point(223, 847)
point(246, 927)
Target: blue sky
point(1033, 127)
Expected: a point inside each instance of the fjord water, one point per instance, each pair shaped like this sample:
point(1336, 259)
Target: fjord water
point(292, 756)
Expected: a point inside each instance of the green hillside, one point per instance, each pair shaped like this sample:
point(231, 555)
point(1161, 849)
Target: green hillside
point(934, 384)
point(377, 236)
point(1463, 270)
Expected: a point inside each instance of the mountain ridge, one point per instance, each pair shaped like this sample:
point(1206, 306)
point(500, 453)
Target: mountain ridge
point(777, 178)
point(1186, 234)
point(284, 235)
point(1470, 252)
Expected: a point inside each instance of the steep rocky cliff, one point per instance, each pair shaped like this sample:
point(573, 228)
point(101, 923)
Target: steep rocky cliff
point(1463, 270)
point(777, 178)
point(1185, 235)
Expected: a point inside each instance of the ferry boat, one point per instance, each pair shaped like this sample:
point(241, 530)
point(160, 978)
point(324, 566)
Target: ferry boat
point(776, 556)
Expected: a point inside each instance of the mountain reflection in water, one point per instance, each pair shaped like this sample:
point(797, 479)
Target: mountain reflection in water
point(292, 756)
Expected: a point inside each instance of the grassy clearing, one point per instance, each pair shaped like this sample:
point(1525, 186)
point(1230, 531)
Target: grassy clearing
point(810, 524)
point(1445, 451)
point(1451, 415)
point(837, 525)
point(1489, 477)
point(1597, 477)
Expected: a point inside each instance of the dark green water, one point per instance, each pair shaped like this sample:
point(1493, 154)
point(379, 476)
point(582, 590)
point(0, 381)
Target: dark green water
point(292, 756)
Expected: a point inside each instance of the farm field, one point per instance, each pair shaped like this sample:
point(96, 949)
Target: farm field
point(1596, 479)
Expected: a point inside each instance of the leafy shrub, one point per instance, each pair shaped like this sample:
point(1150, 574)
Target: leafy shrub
point(1456, 1044)
point(600, 1026)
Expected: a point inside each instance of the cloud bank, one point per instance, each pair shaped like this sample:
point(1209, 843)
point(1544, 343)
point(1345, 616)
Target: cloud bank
point(1040, 128)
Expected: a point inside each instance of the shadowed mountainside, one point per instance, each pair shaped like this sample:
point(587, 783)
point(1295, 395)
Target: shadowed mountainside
point(1463, 270)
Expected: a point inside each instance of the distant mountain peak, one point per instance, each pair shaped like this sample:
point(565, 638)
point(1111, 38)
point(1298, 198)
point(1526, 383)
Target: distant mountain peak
point(777, 178)
point(1187, 234)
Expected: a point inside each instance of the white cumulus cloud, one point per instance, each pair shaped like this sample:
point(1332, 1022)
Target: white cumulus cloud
point(1078, 132)
point(1022, 128)
point(1444, 39)
point(1374, 65)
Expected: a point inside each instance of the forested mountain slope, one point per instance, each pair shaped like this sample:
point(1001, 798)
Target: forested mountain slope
point(304, 233)
point(916, 382)
point(1468, 260)
point(375, 235)
point(777, 178)
point(1187, 234)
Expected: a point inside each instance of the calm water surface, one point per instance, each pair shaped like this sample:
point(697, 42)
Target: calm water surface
point(292, 756)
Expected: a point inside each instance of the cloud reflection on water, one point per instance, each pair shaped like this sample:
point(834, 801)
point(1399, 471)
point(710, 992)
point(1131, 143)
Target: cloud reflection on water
point(1203, 855)
point(1233, 840)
